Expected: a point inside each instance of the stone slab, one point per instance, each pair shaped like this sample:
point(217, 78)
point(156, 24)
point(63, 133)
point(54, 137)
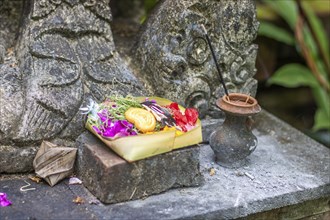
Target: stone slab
point(287, 169)
point(44, 202)
point(17, 159)
point(111, 179)
point(287, 177)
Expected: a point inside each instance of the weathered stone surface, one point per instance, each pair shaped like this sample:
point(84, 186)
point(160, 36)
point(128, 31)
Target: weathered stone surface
point(318, 209)
point(175, 59)
point(208, 126)
point(288, 177)
point(65, 55)
point(44, 202)
point(287, 168)
point(10, 14)
point(2, 54)
point(111, 179)
point(17, 159)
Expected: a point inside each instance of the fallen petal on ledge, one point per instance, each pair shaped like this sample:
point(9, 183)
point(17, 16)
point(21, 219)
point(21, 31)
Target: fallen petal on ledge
point(3, 200)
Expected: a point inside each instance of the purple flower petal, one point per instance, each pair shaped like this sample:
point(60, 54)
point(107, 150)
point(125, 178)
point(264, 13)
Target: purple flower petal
point(3, 200)
point(127, 124)
point(108, 132)
point(103, 115)
point(120, 128)
point(96, 129)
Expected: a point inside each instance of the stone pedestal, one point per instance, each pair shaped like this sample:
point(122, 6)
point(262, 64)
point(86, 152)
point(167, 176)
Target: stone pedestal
point(287, 177)
point(111, 179)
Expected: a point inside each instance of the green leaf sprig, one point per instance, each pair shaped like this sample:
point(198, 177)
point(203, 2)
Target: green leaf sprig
point(118, 105)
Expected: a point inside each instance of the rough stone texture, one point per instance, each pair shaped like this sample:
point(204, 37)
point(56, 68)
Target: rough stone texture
point(2, 54)
point(208, 126)
point(175, 59)
point(287, 168)
point(288, 177)
point(19, 158)
point(44, 202)
point(64, 56)
point(318, 209)
point(111, 179)
point(10, 14)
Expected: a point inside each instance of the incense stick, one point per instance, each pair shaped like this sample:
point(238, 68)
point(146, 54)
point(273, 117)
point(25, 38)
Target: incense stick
point(215, 60)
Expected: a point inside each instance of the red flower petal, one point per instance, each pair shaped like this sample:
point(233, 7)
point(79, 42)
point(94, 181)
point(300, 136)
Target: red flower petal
point(182, 125)
point(191, 115)
point(178, 116)
point(174, 106)
point(186, 120)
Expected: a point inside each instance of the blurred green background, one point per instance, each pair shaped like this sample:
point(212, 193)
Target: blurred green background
point(293, 63)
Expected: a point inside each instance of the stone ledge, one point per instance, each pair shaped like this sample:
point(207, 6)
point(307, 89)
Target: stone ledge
point(111, 179)
point(288, 177)
point(17, 159)
point(286, 169)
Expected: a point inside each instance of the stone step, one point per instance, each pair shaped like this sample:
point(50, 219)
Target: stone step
point(287, 177)
point(111, 179)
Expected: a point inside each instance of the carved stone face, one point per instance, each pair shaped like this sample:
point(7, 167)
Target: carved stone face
point(182, 73)
point(177, 58)
point(238, 28)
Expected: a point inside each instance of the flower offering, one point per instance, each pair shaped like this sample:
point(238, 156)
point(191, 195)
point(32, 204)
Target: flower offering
point(140, 127)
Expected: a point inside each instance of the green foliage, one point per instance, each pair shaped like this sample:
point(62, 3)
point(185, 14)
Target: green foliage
point(286, 9)
point(148, 6)
point(317, 26)
point(122, 104)
point(270, 30)
point(315, 50)
point(293, 76)
point(322, 119)
point(322, 116)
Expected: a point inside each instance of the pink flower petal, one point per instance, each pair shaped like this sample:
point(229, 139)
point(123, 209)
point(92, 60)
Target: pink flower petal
point(3, 200)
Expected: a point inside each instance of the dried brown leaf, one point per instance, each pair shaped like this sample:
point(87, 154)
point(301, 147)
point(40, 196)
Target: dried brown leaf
point(212, 171)
point(78, 200)
point(35, 179)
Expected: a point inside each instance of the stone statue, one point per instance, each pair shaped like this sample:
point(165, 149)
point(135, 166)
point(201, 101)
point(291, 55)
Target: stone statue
point(65, 54)
point(175, 58)
point(238, 28)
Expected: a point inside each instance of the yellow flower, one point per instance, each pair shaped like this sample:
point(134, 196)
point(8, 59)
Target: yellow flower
point(177, 132)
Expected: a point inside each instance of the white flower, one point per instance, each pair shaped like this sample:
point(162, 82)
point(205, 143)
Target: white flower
point(92, 109)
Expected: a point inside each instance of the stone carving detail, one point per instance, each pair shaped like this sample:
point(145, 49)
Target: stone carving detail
point(239, 27)
point(65, 54)
point(175, 57)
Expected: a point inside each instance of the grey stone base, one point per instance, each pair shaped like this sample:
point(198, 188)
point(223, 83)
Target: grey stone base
point(208, 126)
point(111, 179)
point(17, 159)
